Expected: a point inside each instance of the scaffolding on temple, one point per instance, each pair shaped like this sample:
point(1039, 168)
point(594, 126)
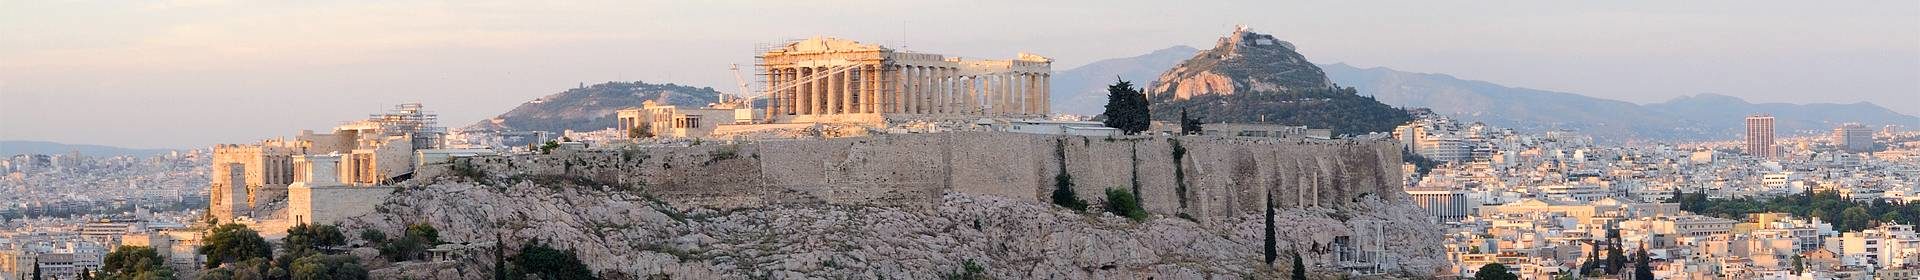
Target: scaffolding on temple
point(411, 119)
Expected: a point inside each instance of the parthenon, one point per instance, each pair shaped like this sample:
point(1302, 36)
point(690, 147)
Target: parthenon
point(826, 79)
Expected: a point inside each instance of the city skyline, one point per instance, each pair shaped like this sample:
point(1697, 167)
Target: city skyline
point(472, 61)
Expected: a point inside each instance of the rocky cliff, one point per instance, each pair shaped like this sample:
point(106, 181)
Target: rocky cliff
point(1255, 78)
point(1243, 61)
point(925, 205)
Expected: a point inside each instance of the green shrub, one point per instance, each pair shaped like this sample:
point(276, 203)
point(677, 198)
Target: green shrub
point(968, 271)
point(134, 262)
point(328, 267)
point(1123, 203)
point(549, 263)
point(412, 245)
point(1063, 193)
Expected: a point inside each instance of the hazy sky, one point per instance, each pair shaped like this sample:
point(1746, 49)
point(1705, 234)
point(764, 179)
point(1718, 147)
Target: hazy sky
point(198, 72)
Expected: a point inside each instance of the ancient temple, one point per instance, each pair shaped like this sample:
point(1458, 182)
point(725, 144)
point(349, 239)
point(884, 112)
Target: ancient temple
point(827, 79)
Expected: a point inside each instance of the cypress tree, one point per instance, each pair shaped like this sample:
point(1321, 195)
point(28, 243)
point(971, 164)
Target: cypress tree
point(1643, 269)
point(36, 269)
point(1271, 242)
point(1126, 108)
point(499, 258)
point(1299, 267)
point(1189, 126)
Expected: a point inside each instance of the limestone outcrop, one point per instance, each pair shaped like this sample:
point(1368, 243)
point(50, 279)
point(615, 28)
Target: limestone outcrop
point(624, 234)
point(1242, 62)
point(1255, 78)
point(918, 206)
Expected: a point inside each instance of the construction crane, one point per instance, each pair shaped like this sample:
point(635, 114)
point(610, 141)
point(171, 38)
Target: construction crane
point(782, 86)
point(742, 82)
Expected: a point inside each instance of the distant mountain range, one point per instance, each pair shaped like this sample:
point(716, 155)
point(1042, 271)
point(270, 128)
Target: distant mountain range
point(1083, 90)
point(592, 107)
point(1702, 116)
point(16, 147)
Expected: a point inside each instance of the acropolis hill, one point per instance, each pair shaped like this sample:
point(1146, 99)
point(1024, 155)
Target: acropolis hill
point(911, 206)
point(862, 162)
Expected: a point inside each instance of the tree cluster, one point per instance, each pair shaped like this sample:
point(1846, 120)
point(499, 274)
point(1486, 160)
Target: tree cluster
point(308, 252)
point(132, 262)
point(1829, 206)
point(546, 263)
point(411, 245)
point(232, 243)
point(1343, 109)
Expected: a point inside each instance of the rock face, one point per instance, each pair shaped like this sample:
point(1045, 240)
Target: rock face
point(919, 206)
point(1205, 177)
point(1241, 62)
point(592, 107)
point(623, 234)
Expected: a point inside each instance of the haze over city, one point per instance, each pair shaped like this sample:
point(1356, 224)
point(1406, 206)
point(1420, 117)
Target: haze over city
point(183, 74)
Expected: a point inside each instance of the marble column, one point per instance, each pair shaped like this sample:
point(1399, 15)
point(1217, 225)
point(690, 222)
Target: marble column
point(978, 87)
point(793, 92)
point(955, 89)
point(820, 93)
point(899, 79)
point(846, 92)
point(930, 89)
point(1013, 94)
point(896, 82)
point(930, 100)
point(911, 102)
point(867, 95)
point(804, 91)
point(1046, 93)
point(937, 87)
point(991, 89)
point(1026, 93)
point(1033, 94)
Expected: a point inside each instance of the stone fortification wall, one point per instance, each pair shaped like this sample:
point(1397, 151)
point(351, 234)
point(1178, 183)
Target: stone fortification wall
point(1211, 177)
point(331, 204)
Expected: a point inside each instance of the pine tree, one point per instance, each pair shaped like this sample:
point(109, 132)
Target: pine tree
point(1126, 108)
